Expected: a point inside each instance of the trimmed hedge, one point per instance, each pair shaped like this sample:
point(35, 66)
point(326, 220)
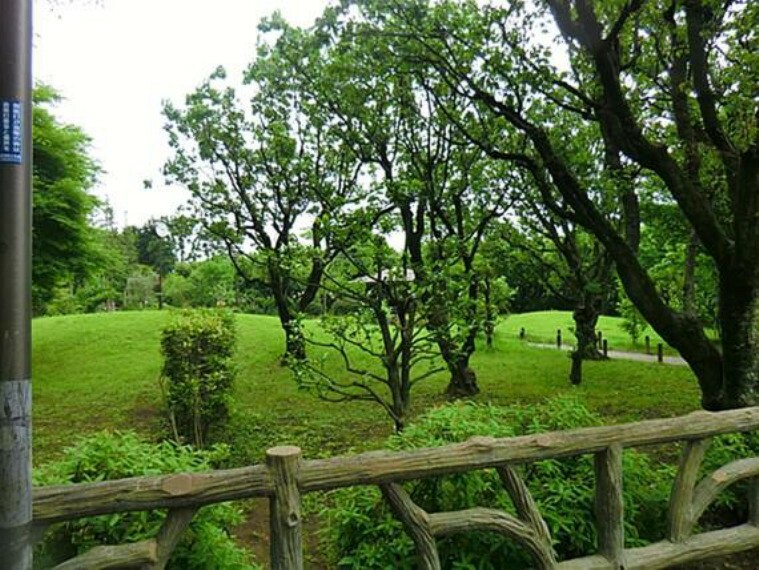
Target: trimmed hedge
point(197, 373)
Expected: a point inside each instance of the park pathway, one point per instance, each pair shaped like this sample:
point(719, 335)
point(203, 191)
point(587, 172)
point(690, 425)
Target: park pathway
point(621, 355)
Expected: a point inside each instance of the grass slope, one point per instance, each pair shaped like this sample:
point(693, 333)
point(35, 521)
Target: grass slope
point(101, 371)
point(541, 326)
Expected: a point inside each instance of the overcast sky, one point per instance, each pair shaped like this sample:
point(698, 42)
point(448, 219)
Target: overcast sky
point(114, 61)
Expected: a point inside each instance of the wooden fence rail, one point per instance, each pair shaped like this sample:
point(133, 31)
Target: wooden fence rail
point(285, 477)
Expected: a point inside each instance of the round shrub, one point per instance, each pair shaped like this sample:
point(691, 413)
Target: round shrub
point(362, 532)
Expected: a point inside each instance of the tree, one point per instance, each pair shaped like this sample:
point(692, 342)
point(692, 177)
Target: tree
point(186, 241)
point(208, 283)
point(570, 262)
point(63, 241)
point(383, 322)
point(259, 178)
point(156, 250)
point(442, 192)
point(668, 88)
point(575, 268)
point(671, 253)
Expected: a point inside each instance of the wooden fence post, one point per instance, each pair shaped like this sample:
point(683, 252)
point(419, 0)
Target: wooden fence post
point(284, 511)
point(660, 353)
point(599, 338)
point(606, 348)
point(558, 338)
point(609, 505)
point(648, 344)
point(681, 499)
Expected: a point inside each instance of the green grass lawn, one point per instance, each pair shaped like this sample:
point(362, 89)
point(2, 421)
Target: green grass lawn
point(101, 371)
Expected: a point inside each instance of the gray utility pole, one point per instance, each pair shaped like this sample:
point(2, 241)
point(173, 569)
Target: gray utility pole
point(15, 284)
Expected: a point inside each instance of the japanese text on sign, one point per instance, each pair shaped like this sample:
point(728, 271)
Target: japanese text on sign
point(11, 133)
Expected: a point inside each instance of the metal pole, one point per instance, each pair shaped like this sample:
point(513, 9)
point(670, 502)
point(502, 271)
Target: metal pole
point(15, 284)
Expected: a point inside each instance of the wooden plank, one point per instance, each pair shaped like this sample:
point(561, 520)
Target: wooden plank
point(132, 555)
point(711, 486)
point(375, 468)
point(284, 510)
point(524, 503)
point(417, 524)
point(66, 502)
point(492, 520)
point(666, 554)
point(170, 534)
point(681, 499)
point(609, 505)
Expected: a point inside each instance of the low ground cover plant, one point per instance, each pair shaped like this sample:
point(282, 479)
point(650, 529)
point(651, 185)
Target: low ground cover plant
point(363, 533)
point(206, 545)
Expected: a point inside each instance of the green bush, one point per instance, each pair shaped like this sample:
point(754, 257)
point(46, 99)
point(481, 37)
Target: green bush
point(362, 533)
point(197, 373)
point(205, 545)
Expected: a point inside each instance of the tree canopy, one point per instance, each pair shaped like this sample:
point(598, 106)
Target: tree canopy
point(64, 243)
point(615, 133)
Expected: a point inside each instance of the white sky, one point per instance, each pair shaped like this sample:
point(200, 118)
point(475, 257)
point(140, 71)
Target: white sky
point(114, 61)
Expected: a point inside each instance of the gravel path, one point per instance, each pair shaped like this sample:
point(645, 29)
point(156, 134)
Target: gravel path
point(622, 355)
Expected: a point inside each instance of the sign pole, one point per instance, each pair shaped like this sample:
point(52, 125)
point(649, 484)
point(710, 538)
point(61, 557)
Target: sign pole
point(15, 284)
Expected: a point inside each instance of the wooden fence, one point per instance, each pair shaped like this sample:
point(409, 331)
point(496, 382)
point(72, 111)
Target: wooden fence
point(285, 477)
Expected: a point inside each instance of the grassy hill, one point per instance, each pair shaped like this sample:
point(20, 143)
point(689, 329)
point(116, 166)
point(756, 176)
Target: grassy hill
point(541, 326)
point(101, 371)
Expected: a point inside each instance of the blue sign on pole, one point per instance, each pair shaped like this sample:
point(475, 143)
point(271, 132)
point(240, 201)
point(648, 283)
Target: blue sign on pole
point(11, 133)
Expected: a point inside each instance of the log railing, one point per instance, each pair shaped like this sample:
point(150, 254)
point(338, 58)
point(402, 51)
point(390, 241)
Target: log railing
point(285, 477)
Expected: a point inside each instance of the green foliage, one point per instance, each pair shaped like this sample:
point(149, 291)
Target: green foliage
point(63, 243)
point(364, 534)
point(632, 321)
point(153, 249)
point(197, 347)
point(139, 291)
point(664, 250)
point(380, 338)
point(208, 283)
point(206, 545)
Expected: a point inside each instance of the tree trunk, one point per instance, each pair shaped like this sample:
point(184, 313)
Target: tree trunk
point(295, 346)
point(586, 316)
point(489, 315)
point(739, 326)
point(575, 374)
point(160, 291)
point(463, 381)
